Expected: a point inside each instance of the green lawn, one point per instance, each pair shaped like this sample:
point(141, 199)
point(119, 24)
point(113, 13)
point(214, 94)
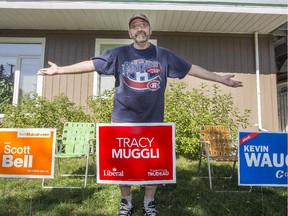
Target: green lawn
point(190, 196)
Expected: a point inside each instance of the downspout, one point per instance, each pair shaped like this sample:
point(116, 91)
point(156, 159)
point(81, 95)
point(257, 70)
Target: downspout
point(258, 83)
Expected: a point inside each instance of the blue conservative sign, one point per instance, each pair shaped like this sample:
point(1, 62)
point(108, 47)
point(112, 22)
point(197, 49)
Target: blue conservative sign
point(263, 159)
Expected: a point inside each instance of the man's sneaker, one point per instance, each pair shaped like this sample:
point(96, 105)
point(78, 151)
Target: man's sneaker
point(151, 210)
point(125, 209)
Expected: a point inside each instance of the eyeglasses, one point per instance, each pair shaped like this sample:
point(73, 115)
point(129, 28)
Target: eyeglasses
point(142, 26)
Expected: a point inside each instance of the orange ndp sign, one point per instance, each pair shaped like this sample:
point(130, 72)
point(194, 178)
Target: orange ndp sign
point(27, 153)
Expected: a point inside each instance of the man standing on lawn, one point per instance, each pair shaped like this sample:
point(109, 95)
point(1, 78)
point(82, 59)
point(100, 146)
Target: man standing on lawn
point(141, 70)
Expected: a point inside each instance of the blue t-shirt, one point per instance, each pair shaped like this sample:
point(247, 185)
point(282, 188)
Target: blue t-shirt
point(141, 78)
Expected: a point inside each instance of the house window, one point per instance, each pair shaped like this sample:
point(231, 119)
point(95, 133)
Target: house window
point(106, 82)
point(20, 58)
point(282, 106)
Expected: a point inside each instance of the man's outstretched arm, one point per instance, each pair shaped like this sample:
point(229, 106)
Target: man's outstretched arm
point(202, 73)
point(81, 67)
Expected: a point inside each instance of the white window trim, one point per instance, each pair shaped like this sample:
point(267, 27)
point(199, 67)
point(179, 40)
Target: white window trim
point(98, 43)
point(39, 87)
point(30, 40)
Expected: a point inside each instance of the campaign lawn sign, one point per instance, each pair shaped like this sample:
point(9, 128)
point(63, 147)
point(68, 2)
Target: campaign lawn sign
point(27, 153)
point(263, 159)
point(136, 153)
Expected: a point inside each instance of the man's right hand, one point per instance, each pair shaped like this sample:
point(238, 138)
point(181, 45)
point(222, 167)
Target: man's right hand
point(52, 70)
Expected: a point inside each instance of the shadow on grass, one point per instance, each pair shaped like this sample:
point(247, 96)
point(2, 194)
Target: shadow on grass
point(190, 196)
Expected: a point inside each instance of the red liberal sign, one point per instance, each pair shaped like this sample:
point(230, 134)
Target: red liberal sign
point(140, 153)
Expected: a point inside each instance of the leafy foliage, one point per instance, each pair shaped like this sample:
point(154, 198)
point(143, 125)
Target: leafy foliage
point(6, 88)
point(37, 112)
point(101, 106)
point(189, 110)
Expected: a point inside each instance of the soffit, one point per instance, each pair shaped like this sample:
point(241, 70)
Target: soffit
point(175, 17)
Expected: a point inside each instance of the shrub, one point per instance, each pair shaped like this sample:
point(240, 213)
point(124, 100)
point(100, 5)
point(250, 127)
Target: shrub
point(187, 109)
point(101, 106)
point(34, 111)
point(191, 109)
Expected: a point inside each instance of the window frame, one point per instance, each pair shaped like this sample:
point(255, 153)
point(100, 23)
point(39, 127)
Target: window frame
point(98, 43)
point(25, 40)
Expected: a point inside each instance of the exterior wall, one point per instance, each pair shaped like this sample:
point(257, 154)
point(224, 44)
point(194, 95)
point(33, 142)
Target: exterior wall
point(64, 49)
point(233, 54)
point(221, 53)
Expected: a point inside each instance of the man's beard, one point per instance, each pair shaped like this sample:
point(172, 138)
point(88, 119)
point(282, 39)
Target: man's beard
point(142, 39)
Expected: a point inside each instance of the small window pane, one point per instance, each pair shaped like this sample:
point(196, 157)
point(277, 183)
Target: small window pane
point(20, 49)
point(105, 47)
point(7, 71)
point(28, 78)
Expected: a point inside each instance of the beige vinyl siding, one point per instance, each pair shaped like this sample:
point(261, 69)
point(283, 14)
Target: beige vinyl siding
point(64, 49)
point(233, 54)
point(216, 52)
point(222, 53)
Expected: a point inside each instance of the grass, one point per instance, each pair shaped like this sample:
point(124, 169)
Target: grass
point(191, 196)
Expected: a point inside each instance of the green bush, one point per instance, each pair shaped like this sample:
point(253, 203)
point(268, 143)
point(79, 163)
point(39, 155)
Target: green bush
point(191, 109)
point(101, 106)
point(187, 109)
point(34, 111)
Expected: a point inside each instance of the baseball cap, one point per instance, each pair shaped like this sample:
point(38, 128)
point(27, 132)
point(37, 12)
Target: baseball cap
point(138, 16)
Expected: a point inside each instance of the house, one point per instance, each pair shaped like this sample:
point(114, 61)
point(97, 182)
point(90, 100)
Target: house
point(247, 38)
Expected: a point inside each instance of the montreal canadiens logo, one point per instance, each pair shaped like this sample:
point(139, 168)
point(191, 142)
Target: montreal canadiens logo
point(142, 74)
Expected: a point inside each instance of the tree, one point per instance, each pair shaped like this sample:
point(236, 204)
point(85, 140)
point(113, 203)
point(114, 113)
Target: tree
point(6, 87)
